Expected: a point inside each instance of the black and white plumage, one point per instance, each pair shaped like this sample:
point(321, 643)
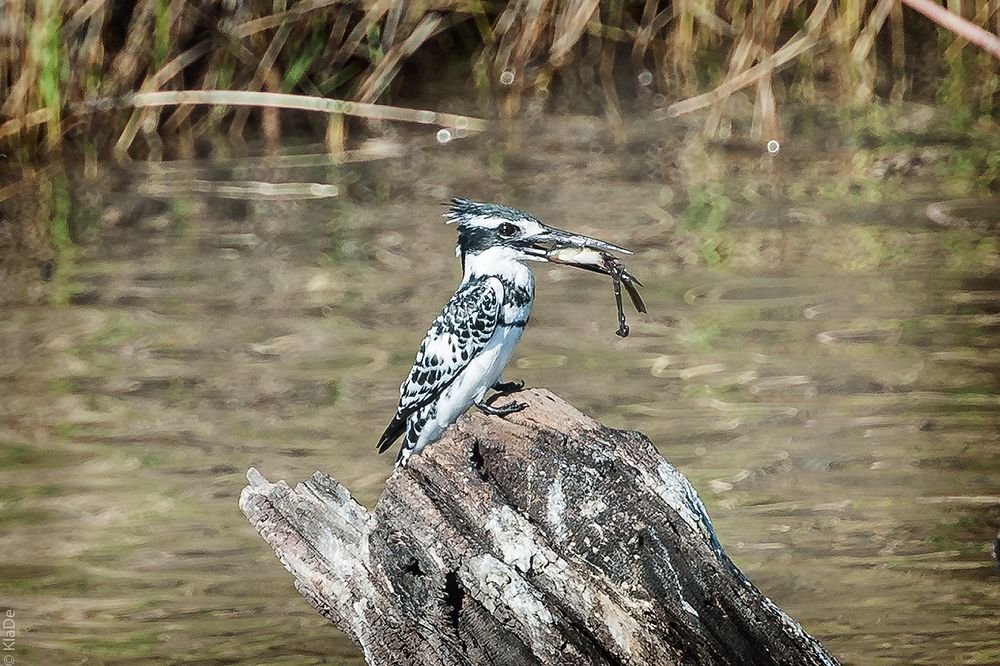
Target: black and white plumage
point(470, 343)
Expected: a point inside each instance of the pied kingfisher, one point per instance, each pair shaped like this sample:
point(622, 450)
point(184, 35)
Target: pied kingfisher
point(470, 343)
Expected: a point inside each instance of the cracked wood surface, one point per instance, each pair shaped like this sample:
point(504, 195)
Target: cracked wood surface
point(539, 538)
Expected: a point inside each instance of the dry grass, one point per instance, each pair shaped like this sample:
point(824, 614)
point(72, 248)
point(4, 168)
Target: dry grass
point(84, 70)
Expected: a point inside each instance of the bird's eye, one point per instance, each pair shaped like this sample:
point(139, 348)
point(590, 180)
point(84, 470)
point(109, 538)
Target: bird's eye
point(507, 229)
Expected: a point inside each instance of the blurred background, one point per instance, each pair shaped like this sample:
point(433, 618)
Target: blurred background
point(189, 287)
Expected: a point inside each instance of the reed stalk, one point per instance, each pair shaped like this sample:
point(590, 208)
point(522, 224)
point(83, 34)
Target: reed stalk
point(62, 60)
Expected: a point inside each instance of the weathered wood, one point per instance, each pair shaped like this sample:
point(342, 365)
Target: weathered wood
point(541, 538)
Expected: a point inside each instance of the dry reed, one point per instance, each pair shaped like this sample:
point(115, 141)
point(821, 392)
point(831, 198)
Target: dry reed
point(61, 61)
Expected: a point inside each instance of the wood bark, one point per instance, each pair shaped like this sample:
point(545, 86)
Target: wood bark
point(539, 538)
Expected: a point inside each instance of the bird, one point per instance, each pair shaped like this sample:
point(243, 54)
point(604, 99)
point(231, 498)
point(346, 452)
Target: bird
point(469, 344)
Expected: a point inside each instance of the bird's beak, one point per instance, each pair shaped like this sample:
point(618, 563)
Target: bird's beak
point(540, 244)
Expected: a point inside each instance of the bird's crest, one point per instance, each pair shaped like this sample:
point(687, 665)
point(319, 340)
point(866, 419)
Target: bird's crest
point(461, 211)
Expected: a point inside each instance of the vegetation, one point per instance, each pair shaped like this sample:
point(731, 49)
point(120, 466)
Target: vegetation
point(69, 70)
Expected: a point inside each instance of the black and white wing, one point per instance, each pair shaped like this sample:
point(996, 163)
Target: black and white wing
point(457, 335)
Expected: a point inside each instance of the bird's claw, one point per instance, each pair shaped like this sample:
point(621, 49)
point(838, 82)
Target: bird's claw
point(507, 388)
point(512, 408)
point(501, 411)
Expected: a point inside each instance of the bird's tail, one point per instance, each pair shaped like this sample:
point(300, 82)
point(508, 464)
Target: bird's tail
point(392, 432)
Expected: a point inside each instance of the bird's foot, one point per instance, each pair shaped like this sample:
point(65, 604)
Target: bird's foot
point(501, 411)
point(506, 388)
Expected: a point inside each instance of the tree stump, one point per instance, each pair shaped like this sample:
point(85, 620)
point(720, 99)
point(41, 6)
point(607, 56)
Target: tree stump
point(539, 538)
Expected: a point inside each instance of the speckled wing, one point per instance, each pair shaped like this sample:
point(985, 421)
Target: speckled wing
point(457, 335)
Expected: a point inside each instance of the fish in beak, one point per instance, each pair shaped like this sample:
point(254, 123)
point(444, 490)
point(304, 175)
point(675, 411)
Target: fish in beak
point(561, 247)
point(540, 245)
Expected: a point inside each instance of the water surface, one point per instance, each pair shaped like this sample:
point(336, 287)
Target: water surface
point(820, 359)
